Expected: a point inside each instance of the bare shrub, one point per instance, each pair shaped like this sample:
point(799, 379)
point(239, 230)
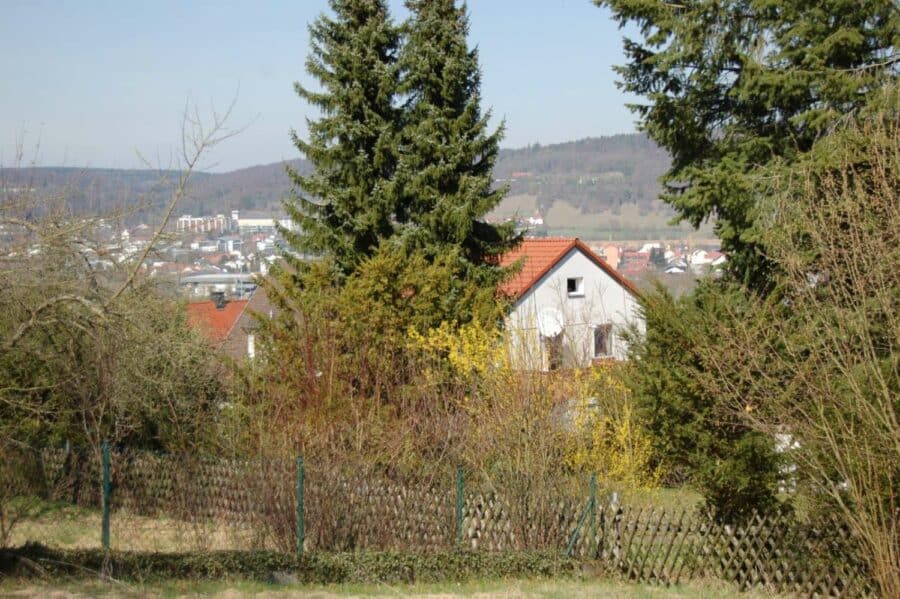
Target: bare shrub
point(90, 349)
point(817, 364)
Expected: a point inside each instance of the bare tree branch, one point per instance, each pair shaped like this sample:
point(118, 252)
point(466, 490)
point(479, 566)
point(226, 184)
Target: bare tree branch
point(197, 137)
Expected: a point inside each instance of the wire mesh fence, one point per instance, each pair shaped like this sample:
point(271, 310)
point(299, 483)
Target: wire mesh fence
point(126, 499)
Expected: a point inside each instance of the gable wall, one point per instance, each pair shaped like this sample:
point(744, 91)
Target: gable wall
point(604, 301)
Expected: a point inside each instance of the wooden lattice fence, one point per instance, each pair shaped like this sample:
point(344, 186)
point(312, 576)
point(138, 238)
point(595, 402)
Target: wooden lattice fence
point(770, 551)
point(348, 509)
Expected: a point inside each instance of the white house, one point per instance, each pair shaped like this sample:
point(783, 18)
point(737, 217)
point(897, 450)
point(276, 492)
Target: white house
point(702, 261)
point(536, 219)
point(570, 307)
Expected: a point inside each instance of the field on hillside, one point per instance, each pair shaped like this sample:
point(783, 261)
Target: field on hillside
point(628, 221)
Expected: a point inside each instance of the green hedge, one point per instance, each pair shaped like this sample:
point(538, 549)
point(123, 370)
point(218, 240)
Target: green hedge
point(318, 568)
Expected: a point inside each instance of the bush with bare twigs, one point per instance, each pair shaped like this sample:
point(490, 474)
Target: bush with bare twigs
point(817, 365)
point(90, 348)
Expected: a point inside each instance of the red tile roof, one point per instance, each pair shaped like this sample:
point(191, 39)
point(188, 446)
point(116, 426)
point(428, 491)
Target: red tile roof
point(215, 324)
point(541, 254)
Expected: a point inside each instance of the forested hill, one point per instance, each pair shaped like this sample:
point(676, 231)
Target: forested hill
point(593, 174)
point(589, 187)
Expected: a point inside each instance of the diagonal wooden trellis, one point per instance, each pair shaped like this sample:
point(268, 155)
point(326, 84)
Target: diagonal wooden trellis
point(351, 510)
point(770, 551)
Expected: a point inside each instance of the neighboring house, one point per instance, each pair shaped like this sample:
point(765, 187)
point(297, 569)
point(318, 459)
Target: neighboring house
point(215, 317)
point(718, 259)
point(570, 307)
point(632, 264)
point(611, 253)
point(699, 261)
point(536, 219)
point(676, 265)
point(229, 324)
point(241, 343)
point(703, 261)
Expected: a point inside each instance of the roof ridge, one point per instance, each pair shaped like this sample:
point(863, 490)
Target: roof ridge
point(236, 320)
point(217, 323)
point(518, 288)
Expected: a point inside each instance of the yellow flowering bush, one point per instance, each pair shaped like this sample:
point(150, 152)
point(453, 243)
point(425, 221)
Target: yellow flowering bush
point(515, 415)
point(607, 438)
point(471, 350)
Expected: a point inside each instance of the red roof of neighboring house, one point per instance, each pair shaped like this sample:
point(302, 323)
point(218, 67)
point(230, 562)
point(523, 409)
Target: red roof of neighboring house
point(215, 258)
point(632, 270)
point(541, 254)
point(633, 263)
point(216, 324)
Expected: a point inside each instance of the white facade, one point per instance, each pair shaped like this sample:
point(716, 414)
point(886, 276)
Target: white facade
point(203, 224)
point(574, 314)
point(249, 225)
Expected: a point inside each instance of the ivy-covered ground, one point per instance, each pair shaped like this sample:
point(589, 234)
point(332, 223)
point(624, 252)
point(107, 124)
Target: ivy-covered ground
point(488, 589)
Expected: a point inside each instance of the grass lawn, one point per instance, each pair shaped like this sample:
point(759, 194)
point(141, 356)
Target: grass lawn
point(544, 589)
point(681, 498)
point(62, 525)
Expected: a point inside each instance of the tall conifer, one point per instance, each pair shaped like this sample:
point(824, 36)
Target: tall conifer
point(447, 153)
point(732, 86)
point(348, 203)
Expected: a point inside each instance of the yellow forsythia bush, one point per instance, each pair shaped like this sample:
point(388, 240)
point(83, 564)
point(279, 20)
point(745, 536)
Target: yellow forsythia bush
point(472, 350)
point(607, 439)
point(603, 435)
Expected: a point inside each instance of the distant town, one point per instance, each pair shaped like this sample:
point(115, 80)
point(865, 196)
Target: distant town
point(224, 252)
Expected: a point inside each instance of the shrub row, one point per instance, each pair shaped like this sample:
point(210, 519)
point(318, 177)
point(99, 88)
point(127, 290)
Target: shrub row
point(35, 560)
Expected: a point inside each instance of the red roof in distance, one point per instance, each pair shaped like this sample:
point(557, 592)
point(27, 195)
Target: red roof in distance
point(541, 254)
point(216, 324)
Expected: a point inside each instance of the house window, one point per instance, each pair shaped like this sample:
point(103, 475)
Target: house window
point(575, 286)
point(553, 349)
point(251, 346)
point(602, 340)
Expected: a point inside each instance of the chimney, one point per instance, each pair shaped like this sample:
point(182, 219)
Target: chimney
point(218, 298)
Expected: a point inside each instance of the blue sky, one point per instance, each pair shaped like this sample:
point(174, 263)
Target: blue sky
point(92, 84)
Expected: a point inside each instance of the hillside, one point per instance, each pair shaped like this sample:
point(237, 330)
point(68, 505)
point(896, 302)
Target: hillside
point(595, 188)
point(591, 174)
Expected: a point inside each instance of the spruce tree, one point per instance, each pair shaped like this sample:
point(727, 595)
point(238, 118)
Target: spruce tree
point(447, 153)
point(733, 85)
point(345, 206)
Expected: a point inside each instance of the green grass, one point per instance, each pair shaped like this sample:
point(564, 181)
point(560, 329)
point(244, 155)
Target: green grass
point(67, 526)
point(661, 499)
point(54, 522)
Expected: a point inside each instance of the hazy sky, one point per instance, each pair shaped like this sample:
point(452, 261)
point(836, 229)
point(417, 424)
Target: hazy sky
point(90, 84)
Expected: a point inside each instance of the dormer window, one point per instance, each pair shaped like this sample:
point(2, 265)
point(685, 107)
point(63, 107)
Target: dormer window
point(575, 286)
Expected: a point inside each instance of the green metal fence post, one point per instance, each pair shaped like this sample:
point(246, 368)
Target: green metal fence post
point(593, 508)
point(300, 531)
point(574, 538)
point(588, 509)
point(459, 505)
point(104, 533)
